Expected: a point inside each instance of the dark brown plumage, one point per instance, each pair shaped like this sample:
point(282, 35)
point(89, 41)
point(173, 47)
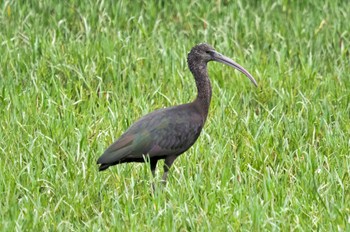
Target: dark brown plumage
point(167, 133)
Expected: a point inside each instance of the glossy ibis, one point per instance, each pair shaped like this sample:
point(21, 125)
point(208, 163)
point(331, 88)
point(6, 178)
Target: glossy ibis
point(169, 132)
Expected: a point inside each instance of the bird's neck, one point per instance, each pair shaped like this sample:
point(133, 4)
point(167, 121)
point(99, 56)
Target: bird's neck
point(203, 84)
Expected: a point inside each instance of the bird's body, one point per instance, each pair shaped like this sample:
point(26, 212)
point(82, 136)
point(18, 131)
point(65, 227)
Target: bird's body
point(160, 134)
point(167, 133)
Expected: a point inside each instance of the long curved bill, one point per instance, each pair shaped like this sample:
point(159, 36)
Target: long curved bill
point(225, 60)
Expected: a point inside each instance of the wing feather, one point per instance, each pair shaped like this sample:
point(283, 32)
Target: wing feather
point(160, 133)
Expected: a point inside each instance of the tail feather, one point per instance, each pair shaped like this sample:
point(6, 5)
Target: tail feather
point(116, 152)
point(103, 167)
point(114, 156)
point(130, 147)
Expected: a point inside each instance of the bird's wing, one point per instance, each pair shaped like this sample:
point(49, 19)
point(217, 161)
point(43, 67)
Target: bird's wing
point(128, 144)
point(160, 133)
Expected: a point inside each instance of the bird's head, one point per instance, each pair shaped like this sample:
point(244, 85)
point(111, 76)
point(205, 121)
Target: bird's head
point(203, 53)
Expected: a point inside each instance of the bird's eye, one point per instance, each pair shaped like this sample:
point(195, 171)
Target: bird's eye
point(208, 51)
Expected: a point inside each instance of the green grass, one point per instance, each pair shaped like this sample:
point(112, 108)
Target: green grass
point(74, 75)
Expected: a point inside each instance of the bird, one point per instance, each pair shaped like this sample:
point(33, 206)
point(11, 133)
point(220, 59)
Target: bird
point(167, 133)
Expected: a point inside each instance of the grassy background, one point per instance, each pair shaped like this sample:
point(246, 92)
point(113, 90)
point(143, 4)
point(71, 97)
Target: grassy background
point(76, 74)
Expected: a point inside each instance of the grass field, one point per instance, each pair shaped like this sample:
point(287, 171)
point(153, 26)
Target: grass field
point(75, 74)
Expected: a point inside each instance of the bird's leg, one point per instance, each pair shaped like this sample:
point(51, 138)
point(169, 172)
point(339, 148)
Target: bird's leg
point(167, 164)
point(153, 163)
